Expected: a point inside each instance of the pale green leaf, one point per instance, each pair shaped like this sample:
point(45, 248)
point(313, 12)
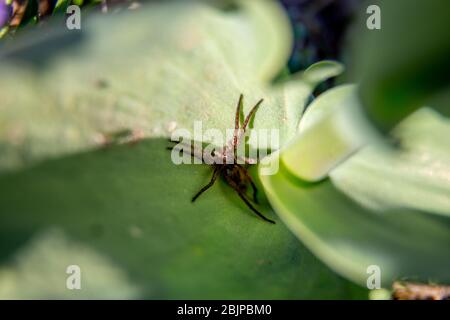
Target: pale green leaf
point(331, 130)
point(146, 72)
point(380, 207)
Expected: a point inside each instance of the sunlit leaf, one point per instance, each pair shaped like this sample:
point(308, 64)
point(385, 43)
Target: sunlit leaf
point(381, 207)
point(167, 65)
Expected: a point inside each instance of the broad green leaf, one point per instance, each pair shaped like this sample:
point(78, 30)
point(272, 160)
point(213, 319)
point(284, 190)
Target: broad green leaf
point(331, 130)
point(381, 207)
point(127, 208)
point(131, 206)
point(147, 72)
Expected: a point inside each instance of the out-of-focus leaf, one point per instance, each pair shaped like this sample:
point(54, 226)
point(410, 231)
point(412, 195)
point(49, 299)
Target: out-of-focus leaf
point(381, 207)
point(416, 177)
point(167, 65)
point(405, 64)
point(319, 71)
point(61, 6)
point(27, 277)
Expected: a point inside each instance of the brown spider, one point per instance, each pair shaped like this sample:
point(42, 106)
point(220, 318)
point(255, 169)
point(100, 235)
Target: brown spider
point(234, 174)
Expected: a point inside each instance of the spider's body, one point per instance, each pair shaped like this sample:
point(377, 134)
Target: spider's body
point(236, 175)
point(231, 167)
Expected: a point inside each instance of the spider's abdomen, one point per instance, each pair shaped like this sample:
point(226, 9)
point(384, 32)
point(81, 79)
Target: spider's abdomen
point(238, 177)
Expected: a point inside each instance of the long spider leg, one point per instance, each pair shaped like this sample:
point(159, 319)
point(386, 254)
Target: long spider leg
point(236, 188)
point(244, 125)
point(251, 113)
point(249, 178)
point(209, 185)
point(236, 122)
point(238, 111)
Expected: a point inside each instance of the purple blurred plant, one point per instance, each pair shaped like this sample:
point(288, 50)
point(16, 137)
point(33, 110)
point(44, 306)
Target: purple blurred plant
point(5, 12)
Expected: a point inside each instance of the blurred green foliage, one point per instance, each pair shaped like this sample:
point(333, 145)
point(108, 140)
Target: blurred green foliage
point(403, 66)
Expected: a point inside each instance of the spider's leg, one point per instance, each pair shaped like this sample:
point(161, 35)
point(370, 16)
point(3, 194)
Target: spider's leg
point(238, 111)
point(209, 185)
point(242, 196)
point(250, 115)
point(236, 122)
point(246, 121)
point(249, 178)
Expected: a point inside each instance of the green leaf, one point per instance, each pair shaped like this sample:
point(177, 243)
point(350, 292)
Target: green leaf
point(381, 207)
point(330, 131)
point(404, 65)
point(26, 277)
point(167, 65)
point(131, 206)
point(126, 208)
point(61, 6)
point(319, 71)
point(414, 177)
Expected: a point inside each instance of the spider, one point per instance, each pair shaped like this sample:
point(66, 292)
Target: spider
point(234, 173)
